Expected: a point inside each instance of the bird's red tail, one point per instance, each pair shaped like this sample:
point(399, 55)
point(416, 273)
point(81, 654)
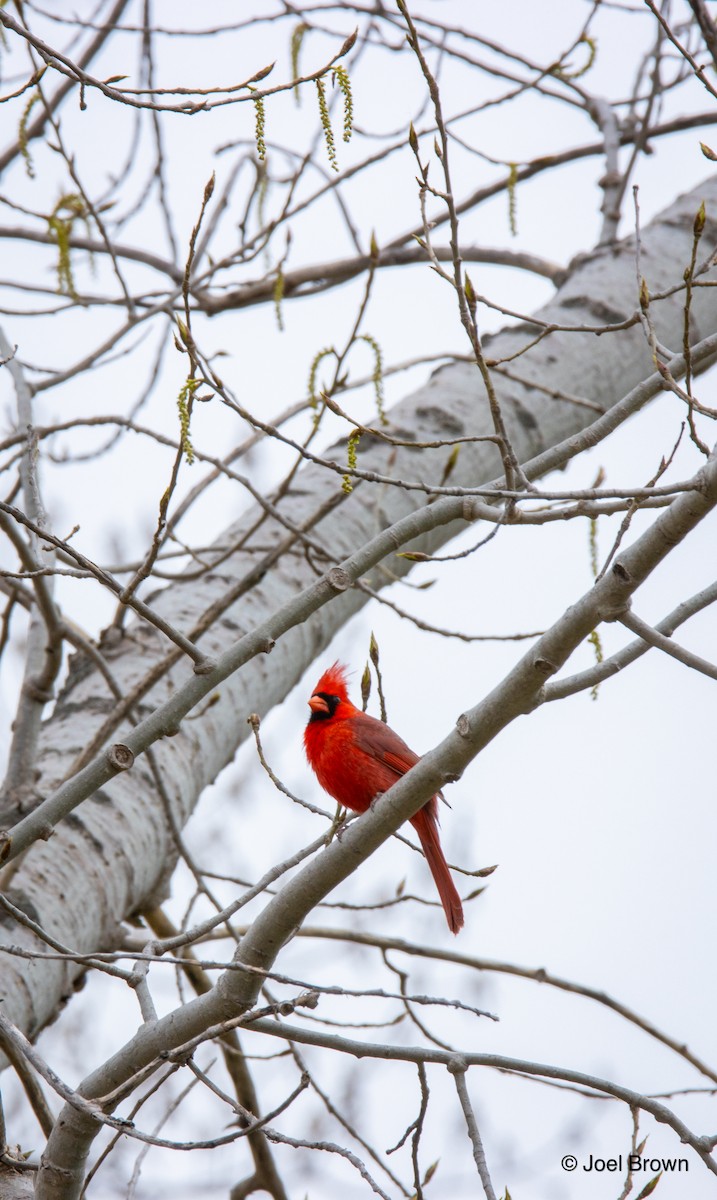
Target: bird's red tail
point(425, 823)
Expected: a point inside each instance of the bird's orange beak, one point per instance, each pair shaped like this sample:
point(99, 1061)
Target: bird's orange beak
point(317, 704)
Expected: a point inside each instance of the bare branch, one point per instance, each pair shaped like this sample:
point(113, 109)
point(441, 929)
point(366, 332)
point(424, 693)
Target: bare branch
point(458, 1068)
point(654, 638)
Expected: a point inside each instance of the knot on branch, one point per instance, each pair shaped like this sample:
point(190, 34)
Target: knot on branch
point(463, 725)
point(308, 999)
point(621, 572)
point(457, 1065)
point(120, 757)
point(544, 667)
point(616, 611)
point(339, 579)
point(35, 691)
point(205, 665)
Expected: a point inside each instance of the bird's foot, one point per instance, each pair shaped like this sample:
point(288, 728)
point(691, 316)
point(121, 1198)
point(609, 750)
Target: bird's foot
point(337, 825)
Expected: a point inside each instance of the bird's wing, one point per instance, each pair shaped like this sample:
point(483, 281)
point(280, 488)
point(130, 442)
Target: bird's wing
point(375, 739)
point(379, 741)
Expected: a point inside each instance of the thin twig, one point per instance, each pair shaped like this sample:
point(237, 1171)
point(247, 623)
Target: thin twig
point(458, 1070)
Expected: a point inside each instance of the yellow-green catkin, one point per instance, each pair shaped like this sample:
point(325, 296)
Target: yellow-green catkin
point(22, 134)
point(326, 125)
point(278, 296)
point(377, 376)
point(260, 128)
point(565, 72)
point(341, 77)
point(60, 222)
point(184, 401)
point(297, 38)
point(314, 370)
point(351, 460)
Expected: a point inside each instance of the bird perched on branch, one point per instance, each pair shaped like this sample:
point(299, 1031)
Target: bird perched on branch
point(357, 758)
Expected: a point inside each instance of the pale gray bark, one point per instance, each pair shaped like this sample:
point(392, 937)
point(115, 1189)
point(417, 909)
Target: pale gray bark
point(16, 1185)
point(111, 856)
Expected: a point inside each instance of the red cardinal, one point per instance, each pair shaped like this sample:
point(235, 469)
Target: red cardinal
point(357, 758)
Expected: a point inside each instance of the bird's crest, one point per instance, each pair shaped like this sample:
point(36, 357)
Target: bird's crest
point(334, 681)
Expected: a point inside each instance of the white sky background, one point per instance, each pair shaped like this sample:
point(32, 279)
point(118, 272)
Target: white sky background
point(600, 814)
